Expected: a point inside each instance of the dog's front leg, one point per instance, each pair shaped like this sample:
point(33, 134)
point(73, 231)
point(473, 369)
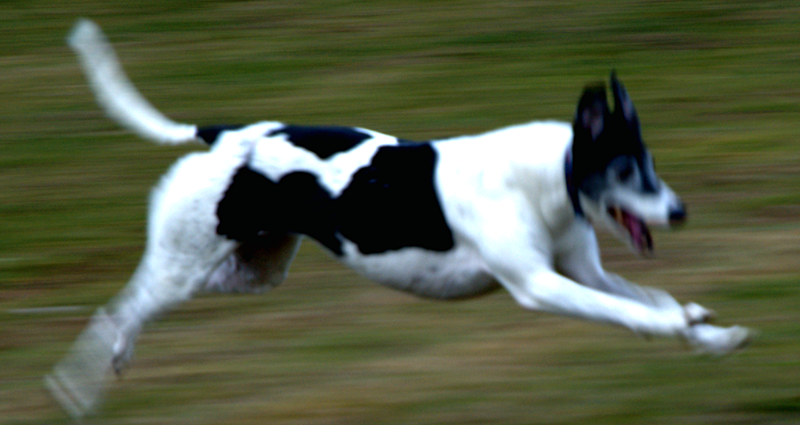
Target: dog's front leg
point(578, 257)
point(528, 275)
point(548, 291)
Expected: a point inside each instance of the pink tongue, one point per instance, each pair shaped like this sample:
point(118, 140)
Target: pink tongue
point(635, 229)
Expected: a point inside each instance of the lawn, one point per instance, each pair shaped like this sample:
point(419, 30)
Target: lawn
point(717, 87)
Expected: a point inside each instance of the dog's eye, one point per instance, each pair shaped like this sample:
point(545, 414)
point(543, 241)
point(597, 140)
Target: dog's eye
point(625, 171)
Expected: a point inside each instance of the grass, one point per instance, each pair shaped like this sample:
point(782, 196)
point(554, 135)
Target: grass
point(716, 86)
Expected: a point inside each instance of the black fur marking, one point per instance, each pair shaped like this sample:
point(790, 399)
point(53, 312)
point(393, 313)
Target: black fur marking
point(295, 204)
point(211, 133)
point(601, 137)
point(390, 204)
point(322, 141)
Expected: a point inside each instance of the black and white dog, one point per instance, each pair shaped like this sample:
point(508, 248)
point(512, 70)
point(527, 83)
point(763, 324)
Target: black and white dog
point(454, 218)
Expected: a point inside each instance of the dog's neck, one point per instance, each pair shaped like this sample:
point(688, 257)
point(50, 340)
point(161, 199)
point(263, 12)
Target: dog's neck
point(572, 190)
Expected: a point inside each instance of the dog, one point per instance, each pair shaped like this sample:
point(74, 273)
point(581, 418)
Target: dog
point(513, 208)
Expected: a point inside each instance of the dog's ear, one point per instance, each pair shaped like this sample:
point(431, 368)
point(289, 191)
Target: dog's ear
point(623, 106)
point(592, 114)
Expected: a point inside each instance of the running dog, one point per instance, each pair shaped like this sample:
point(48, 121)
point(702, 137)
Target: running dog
point(513, 208)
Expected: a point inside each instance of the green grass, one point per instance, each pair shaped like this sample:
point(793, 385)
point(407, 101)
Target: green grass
point(716, 86)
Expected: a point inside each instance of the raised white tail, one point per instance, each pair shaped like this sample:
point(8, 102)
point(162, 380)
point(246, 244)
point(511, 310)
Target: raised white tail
point(116, 93)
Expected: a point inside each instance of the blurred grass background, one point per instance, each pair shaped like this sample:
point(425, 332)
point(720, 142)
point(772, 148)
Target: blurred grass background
point(716, 83)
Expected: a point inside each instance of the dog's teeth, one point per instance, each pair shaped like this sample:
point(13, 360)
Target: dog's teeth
point(618, 215)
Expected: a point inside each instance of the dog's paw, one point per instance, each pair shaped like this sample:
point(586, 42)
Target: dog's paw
point(718, 341)
point(123, 353)
point(78, 381)
point(697, 314)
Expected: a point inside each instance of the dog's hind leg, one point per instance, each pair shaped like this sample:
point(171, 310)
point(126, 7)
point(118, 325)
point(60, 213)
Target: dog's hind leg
point(106, 345)
point(182, 251)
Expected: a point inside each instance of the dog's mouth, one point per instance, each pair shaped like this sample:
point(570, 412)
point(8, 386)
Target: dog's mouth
point(637, 230)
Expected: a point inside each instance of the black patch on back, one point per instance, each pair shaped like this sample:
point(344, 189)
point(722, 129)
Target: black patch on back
point(390, 204)
point(322, 141)
point(211, 133)
point(295, 204)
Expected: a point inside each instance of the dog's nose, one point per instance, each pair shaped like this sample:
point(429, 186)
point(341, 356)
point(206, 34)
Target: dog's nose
point(677, 215)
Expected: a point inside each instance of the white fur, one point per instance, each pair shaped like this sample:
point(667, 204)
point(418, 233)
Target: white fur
point(503, 194)
point(116, 93)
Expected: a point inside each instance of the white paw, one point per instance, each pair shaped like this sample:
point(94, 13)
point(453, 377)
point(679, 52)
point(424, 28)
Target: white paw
point(122, 354)
point(77, 382)
point(696, 314)
point(715, 340)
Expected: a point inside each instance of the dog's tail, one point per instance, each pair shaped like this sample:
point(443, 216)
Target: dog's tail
point(116, 93)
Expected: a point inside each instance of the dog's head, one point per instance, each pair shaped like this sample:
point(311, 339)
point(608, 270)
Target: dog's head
point(613, 179)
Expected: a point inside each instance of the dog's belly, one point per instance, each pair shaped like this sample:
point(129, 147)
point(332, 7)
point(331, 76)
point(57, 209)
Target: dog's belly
point(456, 273)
